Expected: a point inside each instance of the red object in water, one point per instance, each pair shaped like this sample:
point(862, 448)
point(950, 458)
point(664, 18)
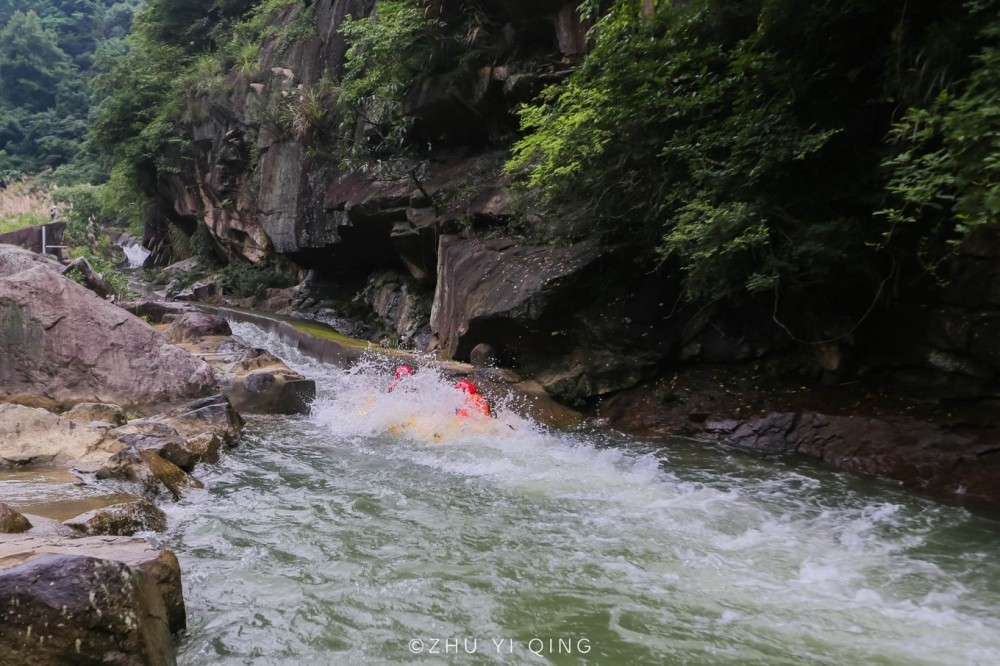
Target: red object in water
point(401, 372)
point(474, 402)
point(465, 386)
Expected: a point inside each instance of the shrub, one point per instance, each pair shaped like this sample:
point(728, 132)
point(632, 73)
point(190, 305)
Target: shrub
point(241, 279)
point(117, 281)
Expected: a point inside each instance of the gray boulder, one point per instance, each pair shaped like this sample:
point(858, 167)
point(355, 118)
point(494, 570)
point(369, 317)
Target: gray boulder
point(193, 326)
point(94, 600)
point(14, 259)
point(501, 292)
point(61, 345)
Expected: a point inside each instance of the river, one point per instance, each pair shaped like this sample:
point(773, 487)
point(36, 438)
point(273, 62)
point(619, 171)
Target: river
point(379, 529)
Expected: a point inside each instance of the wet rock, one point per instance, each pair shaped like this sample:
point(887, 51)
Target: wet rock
point(193, 326)
point(121, 519)
point(49, 528)
point(12, 522)
point(61, 605)
point(61, 345)
point(206, 425)
point(159, 567)
point(87, 412)
point(34, 436)
point(272, 390)
point(483, 355)
point(158, 437)
point(921, 454)
point(149, 469)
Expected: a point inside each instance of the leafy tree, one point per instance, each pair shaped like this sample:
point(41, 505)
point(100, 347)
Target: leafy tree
point(31, 63)
point(945, 179)
point(387, 52)
point(46, 55)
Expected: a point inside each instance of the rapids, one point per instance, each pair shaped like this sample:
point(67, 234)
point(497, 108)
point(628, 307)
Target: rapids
point(379, 529)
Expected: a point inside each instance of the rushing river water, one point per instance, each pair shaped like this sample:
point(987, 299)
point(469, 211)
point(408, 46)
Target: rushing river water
point(381, 530)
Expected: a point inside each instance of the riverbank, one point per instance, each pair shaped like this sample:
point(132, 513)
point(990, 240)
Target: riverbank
point(947, 449)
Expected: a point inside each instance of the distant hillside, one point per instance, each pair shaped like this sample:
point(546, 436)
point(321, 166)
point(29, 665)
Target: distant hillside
point(49, 49)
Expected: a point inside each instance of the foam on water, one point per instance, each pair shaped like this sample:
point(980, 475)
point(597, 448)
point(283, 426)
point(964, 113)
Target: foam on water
point(382, 517)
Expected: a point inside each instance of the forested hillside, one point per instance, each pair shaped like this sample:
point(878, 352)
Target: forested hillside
point(49, 50)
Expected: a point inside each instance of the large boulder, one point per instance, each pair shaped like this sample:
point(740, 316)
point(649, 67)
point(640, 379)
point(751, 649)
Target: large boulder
point(193, 326)
point(186, 435)
point(97, 600)
point(499, 291)
point(61, 345)
point(14, 259)
point(272, 390)
point(576, 319)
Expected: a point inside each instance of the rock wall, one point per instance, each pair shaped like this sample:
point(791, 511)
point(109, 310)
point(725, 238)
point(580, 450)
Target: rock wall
point(582, 320)
point(261, 189)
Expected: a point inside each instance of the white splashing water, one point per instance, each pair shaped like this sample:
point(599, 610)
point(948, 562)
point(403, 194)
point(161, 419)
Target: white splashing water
point(383, 518)
point(136, 255)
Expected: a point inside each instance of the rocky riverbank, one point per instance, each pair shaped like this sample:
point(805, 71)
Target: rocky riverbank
point(91, 388)
point(949, 449)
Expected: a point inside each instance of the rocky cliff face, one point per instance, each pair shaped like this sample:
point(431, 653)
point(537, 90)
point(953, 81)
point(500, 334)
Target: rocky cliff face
point(582, 319)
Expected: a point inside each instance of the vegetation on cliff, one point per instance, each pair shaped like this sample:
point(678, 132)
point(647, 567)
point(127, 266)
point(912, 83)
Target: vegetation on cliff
point(775, 146)
point(763, 148)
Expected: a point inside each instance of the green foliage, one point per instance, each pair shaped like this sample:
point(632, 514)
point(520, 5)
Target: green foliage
point(242, 279)
point(203, 247)
point(387, 51)
point(31, 63)
point(139, 103)
point(180, 244)
point(20, 221)
point(81, 206)
point(117, 281)
point(946, 174)
point(738, 143)
point(46, 55)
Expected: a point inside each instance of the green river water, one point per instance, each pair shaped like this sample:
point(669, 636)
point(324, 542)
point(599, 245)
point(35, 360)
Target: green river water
point(378, 529)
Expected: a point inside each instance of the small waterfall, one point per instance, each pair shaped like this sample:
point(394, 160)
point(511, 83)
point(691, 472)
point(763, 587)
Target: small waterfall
point(135, 253)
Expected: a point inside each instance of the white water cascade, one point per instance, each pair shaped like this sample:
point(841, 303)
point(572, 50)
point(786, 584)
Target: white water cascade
point(379, 529)
point(135, 253)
